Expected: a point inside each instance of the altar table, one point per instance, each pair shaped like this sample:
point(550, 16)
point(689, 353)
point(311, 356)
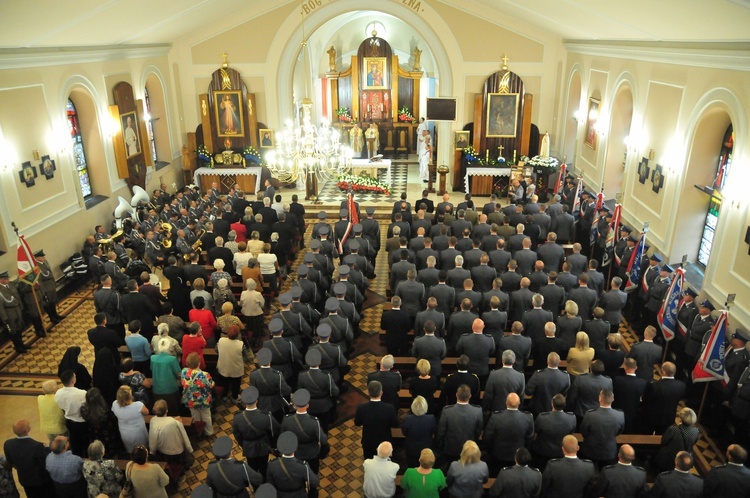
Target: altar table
point(360, 166)
point(486, 185)
point(245, 178)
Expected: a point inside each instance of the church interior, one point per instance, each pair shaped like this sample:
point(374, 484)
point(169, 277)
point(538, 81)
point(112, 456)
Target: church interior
point(644, 102)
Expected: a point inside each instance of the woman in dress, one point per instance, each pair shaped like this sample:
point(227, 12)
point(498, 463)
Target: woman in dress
point(423, 481)
point(199, 290)
point(269, 267)
point(102, 476)
point(466, 477)
point(70, 362)
point(252, 303)
point(197, 388)
point(425, 385)
point(223, 294)
point(569, 324)
point(7, 483)
point(231, 363)
point(101, 422)
point(580, 356)
point(149, 480)
point(137, 381)
point(106, 374)
point(227, 319)
point(162, 332)
point(205, 318)
point(51, 417)
point(130, 419)
point(677, 437)
point(193, 342)
point(219, 273)
point(419, 431)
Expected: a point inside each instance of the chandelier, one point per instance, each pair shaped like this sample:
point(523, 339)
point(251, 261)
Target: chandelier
point(306, 154)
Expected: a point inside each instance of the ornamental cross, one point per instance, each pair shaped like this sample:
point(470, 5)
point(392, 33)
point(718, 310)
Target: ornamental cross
point(505, 61)
point(224, 62)
point(500, 151)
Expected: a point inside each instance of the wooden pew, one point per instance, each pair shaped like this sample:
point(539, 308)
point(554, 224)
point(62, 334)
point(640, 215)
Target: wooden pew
point(121, 464)
point(631, 439)
point(209, 354)
point(486, 485)
point(186, 421)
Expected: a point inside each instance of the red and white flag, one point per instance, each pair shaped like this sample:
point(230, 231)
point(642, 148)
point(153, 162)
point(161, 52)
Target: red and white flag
point(560, 179)
point(27, 266)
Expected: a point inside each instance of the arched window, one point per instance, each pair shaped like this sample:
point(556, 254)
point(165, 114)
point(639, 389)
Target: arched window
point(78, 152)
point(150, 126)
point(714, 205)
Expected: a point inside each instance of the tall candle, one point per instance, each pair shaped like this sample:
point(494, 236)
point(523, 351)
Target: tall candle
point(514, 157)
point(487, 156)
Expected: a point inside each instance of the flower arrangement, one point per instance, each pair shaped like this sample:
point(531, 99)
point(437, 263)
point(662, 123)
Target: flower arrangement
point(406, 116)
point(546, 164)
point(364, 183)
point(251, 155)
point(343, 114)
point(473, 157)
point(204, 156)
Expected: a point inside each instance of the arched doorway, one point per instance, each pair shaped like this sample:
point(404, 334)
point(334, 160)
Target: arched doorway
point(621, 118)
point(570, 118)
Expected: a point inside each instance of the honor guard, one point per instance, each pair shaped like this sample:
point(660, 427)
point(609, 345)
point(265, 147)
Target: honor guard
point(341, 331)
point(227, 476)
point(11, 312)
point(47, 284)
point(320, 224)
point(255, 430)
point(311, 294)
point(284, 355)
point(296, 327)
point(291, 477)
point(310, 315)
point(321, 263)
point(332, 359)
point(316, 273)
point(322, 388)
point(271, 385)
point(312, 439)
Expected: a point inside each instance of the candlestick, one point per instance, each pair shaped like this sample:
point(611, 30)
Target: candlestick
point(514, 157)
point(487, 155)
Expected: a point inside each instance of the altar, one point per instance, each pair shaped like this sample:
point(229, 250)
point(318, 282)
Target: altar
point(360, 166)
point(245, 178)
point(484, 185)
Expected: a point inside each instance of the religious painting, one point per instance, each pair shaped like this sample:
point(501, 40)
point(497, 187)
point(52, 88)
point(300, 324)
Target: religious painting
point(502, 115)
point(657, 178)
point(130, 134)
point(462, 140)
point(28, 174)
point(266, 138)
point(47, 167)
point(228, 105)
point(376, 73)
point(592, 117)
point(643, 170)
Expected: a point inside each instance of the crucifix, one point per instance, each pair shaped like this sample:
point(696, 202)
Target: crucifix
point(500, 152)
point(224, 62)
point(505, 61)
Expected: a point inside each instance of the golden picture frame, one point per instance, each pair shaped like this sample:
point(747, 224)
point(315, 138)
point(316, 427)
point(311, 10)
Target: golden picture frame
point(461, 140)
point(592, 117)
point(230, 122)
point(130, 133)
point(376, 73)
point(266, 138)
point(502, 115)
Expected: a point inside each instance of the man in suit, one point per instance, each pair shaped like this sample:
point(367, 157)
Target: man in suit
point(678, 483)
point(511, 279)
point(102, 336)
point(396, 323)
point(223, 253)
point(550, 428)
point(647, 354)
point(442, 207)
point(622, 478)
point(479, 347)
point(445, 296)
point(459, 323)
point(376, 419)
point(448, 394)
point(457, 275)
point(515, 243)
point(553, 294)
point(597, 330)
point(612, 302)
point(107, 301)
point(629, 390)
point(458, 423)
point(432, 314)
point(551, 253)
point(521, 301)
point(585, 393)
point(254, 430)
point(431, 348)
point(538, 277)
point(502, 382)
point(661, 399)
point(390, 381)
point(507, 431)
point(412, 294)
point(578, 262)
point(545, 384)
point(428, 203)
point(570, 476)
point(499, 257)
point(526, 258)
point(731, 479)
point(584, 297)
point(566, 280)
point(424, 262)
point(28, 457)
point(547, 344)
point(600, 428)
point(518, 479)
point(521, 345)
point(564, 226)
point(535, 319)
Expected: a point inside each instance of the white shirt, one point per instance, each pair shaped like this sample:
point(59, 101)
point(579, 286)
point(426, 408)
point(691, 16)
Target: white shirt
point(168, 436)
point(70, 399)
point(380, 478)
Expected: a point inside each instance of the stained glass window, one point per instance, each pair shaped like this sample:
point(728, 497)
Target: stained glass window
point(714, 206)
point(150, 127)
point(78, 152)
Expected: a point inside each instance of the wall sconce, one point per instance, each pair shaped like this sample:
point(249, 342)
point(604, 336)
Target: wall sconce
point(8, 156)
point(146, 117)
point(635, 142)
point(578, 116)
point(673, 157)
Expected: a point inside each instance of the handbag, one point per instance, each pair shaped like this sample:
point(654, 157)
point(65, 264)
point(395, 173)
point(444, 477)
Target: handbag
point(127, 488)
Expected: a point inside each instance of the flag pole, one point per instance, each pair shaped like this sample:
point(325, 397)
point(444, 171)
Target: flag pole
point(703, 400)
point(666, 346)
point(727, 304)
point(33, 290)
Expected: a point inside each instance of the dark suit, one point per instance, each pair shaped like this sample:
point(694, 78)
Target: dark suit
point(479, 348)
point(568, 477)
point(456, 380)
point(107, 301)
point(397, 324)
point(578, 263)
point(511, 281)
point(584, 393)
point(597, 330)
point(222, 253)
point(586, 299)
point(552, 254)
point(193, 271)
point(646, 355)
point(499, 259)
point(517, 482)
point(432, 349)
point(660, 403)
point(544, 385)
point(103, 337)
point(446, 296)
point(376, 419)
point(459, 323)
point(534, 321)
point(554, 298)
point(391, 382)
point(612, 302)
point(629, 390)
point(500, 384)
point(549, 430)
point(564, 226)
point(507, 431)
point(28, 457)
point(412, 294)
point(675, 484)
point(136, 306)
point(520, 345)
point(526, 258)
point(600, 428)
point(727, 481)
point(458, 423)
point(520, 302)
point(483, 277)
point(621, 481)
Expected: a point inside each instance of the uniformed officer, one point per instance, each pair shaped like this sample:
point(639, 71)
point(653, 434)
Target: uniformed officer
point(702, 324)
point(332, 359)
point(312, 439)
point(32, 310)
point(341, 331)
point(520, 478)
point(570, 475)
point(371, 231)
point(227, 476)
point(291, 477)
point(679, 482)
point(204, 491)
point(48, 286)
point(622, 478)
point(284, 355)
point(255, 430)
point(311, 294)
point(322, 388)
point(656, 293)
point(732, 479)
point(310, 315)
point(297, 328)
point(271, 385)
point(320, 224)
point(11, 312)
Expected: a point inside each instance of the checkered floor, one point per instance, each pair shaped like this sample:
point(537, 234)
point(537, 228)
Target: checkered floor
point(401, 174)
point(341, 473)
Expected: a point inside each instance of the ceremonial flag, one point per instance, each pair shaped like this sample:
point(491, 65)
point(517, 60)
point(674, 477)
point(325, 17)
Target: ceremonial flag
point(634, 266)
point(612, 236)
point(667, 316)
point(681, 327)
point(710, 365)
point(353, 220)
point(27, 266)
point(597, 216)
point(560, 179)
point(577, 196)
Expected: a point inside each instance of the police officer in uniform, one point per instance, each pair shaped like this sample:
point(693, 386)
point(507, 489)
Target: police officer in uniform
point(622, 478)
point(291, 477)
point(49, 289)
point(569, 476)
point(285, 356)
point(297, 328)
point(11, 312)
point(271, 385)
point(332, 359)
point(320, 224)
point(227, 476)
point(309, 315)
point(341, 331)
point(371, 231)
point(702, 324)
point(322, 388)
point(312, 439)
point(255, 430)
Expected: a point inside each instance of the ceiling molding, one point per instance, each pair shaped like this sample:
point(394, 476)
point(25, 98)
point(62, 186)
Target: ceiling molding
point(733, 56)
point(58, 56)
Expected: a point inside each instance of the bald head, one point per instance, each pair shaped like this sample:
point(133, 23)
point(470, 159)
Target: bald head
point(385, 449)
point(22, 428)
point(626, 454)
point(477, 326)
point(570, 445)
point(513, 401)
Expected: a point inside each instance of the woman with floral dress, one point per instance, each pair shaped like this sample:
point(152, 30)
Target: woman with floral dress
point(196, 393)
point(7, 484)
point(102, 476)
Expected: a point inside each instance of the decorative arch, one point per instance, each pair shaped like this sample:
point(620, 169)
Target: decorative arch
point(162, 128)
point(570, 126)
point(620, 110)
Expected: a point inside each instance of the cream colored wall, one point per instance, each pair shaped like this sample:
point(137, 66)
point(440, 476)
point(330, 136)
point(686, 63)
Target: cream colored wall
point(673, 104)
point(52, 214)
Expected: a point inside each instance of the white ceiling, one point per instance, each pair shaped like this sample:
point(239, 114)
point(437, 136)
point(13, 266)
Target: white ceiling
point(52, 23)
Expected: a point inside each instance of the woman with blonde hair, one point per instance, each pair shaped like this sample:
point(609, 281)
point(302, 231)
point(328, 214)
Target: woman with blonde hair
point(467, 476)
point(199, 289)
point(219, 273)
point(425, 384)
point(130, 419)
point(254, 244)
point(677, 437)
point(580, 356)
point(51, 416)
point(423, 481)
point(419, 430)
point(227, 319)
point(569, 324)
